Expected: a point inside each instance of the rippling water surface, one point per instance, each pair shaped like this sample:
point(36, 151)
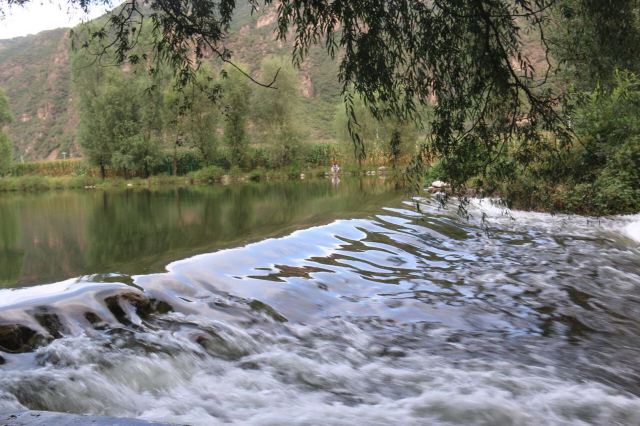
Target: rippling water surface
point(402, 313)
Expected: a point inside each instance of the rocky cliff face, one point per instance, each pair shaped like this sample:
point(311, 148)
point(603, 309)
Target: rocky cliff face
point(35, 74)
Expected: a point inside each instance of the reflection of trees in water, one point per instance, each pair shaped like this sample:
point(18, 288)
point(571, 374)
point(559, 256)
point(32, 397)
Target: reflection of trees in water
point(51, 230)
point(11, 254)
point(132, 232)
point(126, 225)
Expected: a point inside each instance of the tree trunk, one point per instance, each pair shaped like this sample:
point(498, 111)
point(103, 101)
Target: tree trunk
point(175, 159)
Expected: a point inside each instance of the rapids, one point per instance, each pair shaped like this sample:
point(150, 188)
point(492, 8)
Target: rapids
point(409, 315)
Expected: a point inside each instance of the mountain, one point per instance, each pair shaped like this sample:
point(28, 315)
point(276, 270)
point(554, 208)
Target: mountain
point(36, 76)
point(35, 73)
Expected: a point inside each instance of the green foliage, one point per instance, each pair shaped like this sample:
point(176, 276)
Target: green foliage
point(208, 174)
point(380, 139)
point(6, 149)
point(191, 117)
point(492, 116)
point(52, 168)
point(278, 112)
point(35, 74)
point(593, 39)
point(609, 156)
point(6, 154)
point(398, 57)
point(186, 161)
point(599, 172)
point(137, 155)
point(316, 155)
point(6, 116)
point(257, 174)
point(434, 172)
point(119, 119)
point(236, 100)
point(34, 183)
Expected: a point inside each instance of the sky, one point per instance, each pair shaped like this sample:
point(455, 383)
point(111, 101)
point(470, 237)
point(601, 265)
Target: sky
point(40, 15)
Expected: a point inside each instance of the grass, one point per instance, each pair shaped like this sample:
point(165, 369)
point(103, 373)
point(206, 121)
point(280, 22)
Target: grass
point(38, 181)
point(314, 161)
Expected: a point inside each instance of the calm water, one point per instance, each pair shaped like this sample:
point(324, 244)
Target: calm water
point(54, 236)
point(311, 304)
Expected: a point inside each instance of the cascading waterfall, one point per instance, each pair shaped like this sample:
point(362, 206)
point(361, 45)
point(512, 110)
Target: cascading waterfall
point(401, 317)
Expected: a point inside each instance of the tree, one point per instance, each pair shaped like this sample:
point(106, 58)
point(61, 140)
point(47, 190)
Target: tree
point(191, 115)
point(116, 122)
point(236, 94)
point(593, 39)
point(6, 150)
point(398, 55)
point(93, 128)
point(277, 112)
point(388, 137)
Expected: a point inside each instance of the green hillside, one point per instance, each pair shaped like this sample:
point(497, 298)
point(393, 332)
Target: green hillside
point(35, 72)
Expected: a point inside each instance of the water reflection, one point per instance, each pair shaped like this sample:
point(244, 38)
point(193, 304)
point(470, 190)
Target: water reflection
point(49, 237)
point(11, 256)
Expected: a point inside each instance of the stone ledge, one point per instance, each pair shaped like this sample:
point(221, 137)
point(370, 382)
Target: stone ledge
point(46, 418)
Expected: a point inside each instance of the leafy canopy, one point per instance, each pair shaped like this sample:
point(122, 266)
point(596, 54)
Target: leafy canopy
point(463, 56)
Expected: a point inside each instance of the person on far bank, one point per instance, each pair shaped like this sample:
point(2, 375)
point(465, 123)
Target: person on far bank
point(335, 168)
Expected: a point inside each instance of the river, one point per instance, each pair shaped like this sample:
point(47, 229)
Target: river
point(316, 303)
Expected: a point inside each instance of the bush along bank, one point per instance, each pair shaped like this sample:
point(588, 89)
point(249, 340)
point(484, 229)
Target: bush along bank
point(201, 176)
point(595, 172)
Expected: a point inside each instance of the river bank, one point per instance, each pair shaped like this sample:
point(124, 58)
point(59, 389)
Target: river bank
point(202, 177)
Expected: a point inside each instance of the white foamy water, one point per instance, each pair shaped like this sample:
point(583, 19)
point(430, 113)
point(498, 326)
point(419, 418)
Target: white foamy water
point(632, 229)
point(399, 318)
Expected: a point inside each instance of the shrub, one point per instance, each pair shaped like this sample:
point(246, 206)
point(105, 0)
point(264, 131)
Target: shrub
point(75, 167)
point(257, 174)
point(207, 174)
point(598, 172)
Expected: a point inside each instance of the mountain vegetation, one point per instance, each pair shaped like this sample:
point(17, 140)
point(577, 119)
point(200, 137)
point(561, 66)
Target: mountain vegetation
point(6, 117)
point(520, 99)
point(36, 76)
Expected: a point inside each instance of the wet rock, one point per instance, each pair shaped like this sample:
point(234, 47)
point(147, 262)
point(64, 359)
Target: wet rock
point(141, 304)
point(97, 322)
point(2, 360)
point(50, 322)
point(18, 338)
point(160, 306)
point(439, 186)
point(259, 306)
point(45, 418)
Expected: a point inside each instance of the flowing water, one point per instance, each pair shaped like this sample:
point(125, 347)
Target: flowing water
point(316, 304)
